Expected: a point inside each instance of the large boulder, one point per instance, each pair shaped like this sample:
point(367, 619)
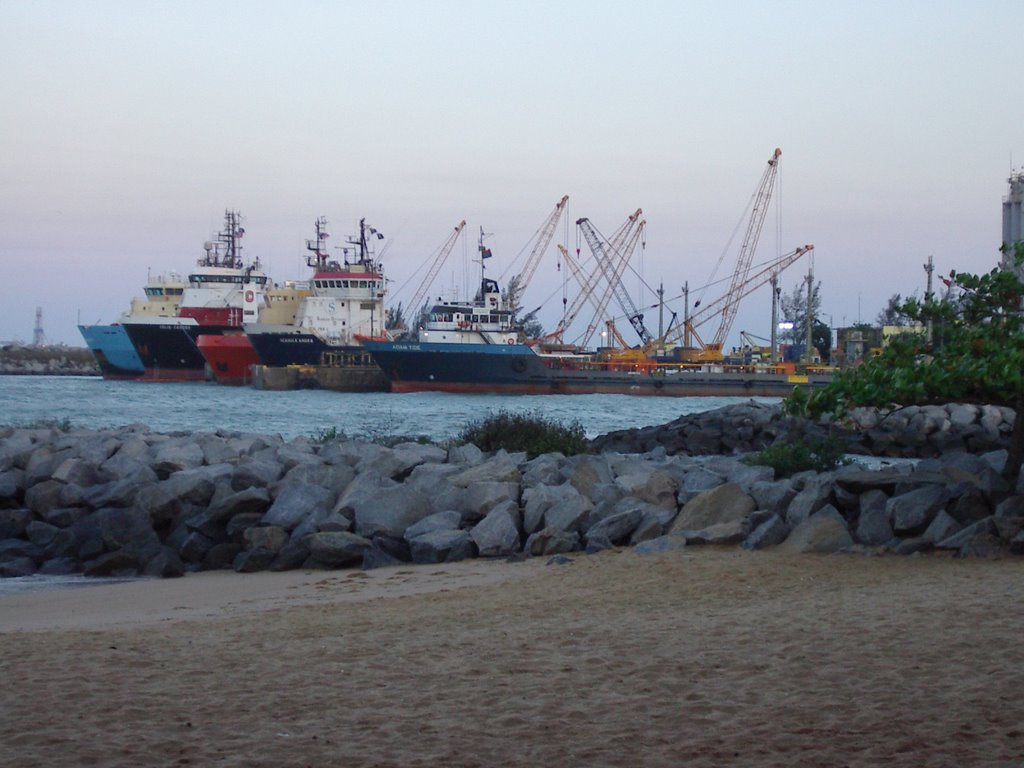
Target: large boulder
point(913, 511)
point(295, 503)
point(722, 504)
point(227, 503)
point(390, 511)
point(613, 530)
point(551, 541)
point(825, 531)
point(439, 521)
point(442, 547)
point(497, 535)
point(655, 487)
point(176, 454)
point(873, 522)
point(768, 533)
point(337, 549)
point(559, 506)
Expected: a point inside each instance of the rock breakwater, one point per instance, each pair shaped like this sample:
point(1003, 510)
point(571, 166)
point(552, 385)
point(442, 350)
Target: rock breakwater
point(129, 501)
point(925, 431)
point(17, 360)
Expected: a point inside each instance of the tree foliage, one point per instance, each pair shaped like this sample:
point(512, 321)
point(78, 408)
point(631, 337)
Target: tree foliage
point(893, 313)
point(513, 300)
point(974, 354)
point(794, 311)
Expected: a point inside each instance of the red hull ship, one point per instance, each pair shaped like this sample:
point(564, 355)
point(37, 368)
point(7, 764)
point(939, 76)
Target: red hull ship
point(230, 357)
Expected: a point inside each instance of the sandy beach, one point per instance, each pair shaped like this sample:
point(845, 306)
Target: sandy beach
point(703, 657)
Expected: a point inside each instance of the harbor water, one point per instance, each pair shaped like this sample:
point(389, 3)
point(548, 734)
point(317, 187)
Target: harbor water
point(93, 402)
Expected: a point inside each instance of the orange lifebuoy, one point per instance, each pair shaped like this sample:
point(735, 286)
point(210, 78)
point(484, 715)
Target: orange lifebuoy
point(249, 296)
point(511, 341)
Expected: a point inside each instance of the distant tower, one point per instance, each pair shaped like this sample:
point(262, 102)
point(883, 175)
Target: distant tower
point(38, 337)
point(1013, 218)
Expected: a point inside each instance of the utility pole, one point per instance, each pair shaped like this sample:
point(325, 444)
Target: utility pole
point(810, 312)
point(929, 267)
point(661, 314)
point(686, 315)
point(775, 318)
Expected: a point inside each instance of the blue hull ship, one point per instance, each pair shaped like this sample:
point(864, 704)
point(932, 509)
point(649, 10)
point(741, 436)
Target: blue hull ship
point(113, 351)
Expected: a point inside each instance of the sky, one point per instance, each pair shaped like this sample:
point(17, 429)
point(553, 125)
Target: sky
point(127, 128)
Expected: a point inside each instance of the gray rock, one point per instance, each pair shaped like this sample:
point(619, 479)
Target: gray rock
point(253, 560)
point(45, 496)
point(497, 535)
point(478, 500)
point(912, 512)
point(873, 526)
point(559, 506)
point(941, 528)
point(17, 566)
point(113, 529)
point(295, 503)
point(227, 503)
point(721, 504)
point(165, 564)
point(442, 547)
point(12, 485)
point(815, 495)
point(13, 522)
point(220, 556)
point(769, 533)
point(774, 497)
point(654, 521)
point(80, 472)
point(64, 517)
point(467, 454)
point(238, 524)
point(175, 455)
point(439, 521)
point(195, 547)
point(960, 539)
point(362, 491)
point(339, 549)
point(292, 555)
point(375, 557)
point(824, 531)
point(551, 541)
point(269, 537)
point(655, 487)
point(390, 512)
point(498, 469)
point(119, 493)
point(36, 531)
point(255, 473)
point(696, 482)
point(544, 470)
point(334, 477)
point(613, 530)
point(660, 545)
point(1012, 506)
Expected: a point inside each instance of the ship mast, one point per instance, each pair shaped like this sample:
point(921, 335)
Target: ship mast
point(319, 259)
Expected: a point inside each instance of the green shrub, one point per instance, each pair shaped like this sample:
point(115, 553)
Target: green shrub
point(327, 435)
point(789, 458)
point(532, 433)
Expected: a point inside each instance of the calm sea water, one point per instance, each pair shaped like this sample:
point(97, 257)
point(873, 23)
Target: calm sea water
point(199, 407)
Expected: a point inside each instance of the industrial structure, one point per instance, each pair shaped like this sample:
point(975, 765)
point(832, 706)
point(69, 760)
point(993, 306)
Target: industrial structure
point(1013, 220)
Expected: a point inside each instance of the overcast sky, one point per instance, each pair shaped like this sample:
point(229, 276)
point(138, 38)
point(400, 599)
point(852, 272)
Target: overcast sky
point(129, 127)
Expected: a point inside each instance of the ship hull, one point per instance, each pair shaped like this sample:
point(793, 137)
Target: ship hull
point(517, 369)
point(229, 357)
point(168, 351)
point(113, 350)
point(281, 348)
